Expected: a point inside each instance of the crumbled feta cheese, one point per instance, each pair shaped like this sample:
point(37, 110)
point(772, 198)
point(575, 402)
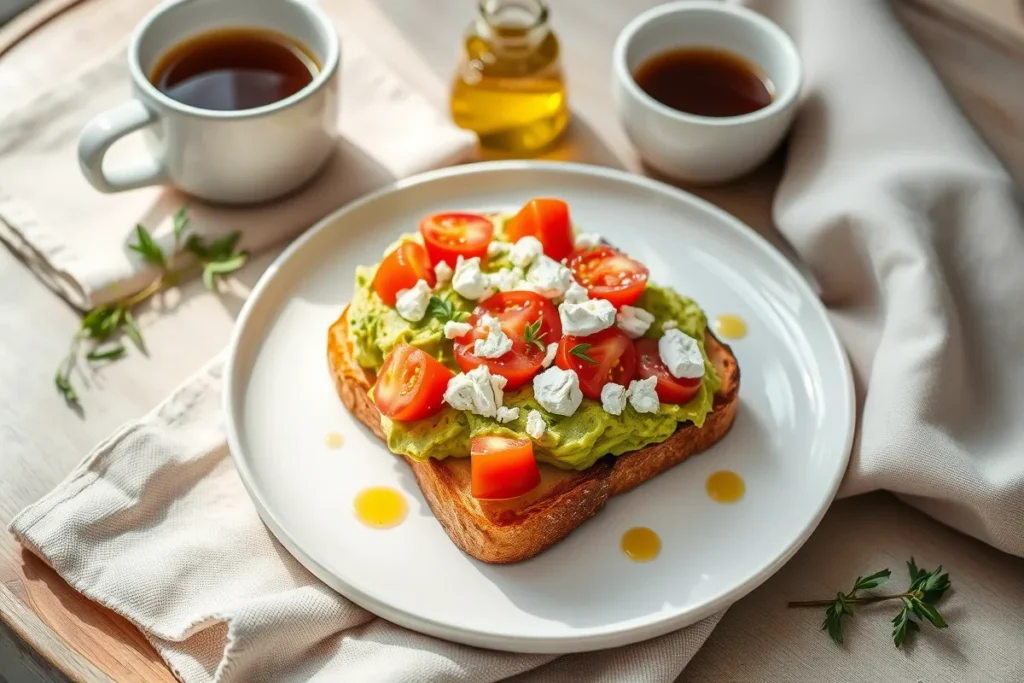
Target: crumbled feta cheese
point(506, 279)
point(681, 355)
point(496, 344)
point(469, 280)
point(589, 317)
point(587, 239)
point(550, 277)
point(577, 293)
point(525, 251)
point(549, 354)
point(634, 321)
point(476, 391)
point(613, 398)
point(454, 330)
point(497, 248)
point(558, 391)
point(535, 424)
point(506, 415)
point(444, 273)
point(412, 303)
point(669, 325)
point(642, 395)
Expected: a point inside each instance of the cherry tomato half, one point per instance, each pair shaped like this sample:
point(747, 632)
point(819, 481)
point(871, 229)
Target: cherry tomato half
point(548, 221)
point(670, 389)
point(450, 235)
point(400, 270)
point(517, 309)
point(514, 311)
point(609, 274)
point(610, 357)
point(502, 468)
point(411, 384)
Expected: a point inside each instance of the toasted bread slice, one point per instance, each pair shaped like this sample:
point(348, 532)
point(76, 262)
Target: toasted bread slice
point(511, 531)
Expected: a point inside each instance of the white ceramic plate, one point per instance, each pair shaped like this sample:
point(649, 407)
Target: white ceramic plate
point(790, 442)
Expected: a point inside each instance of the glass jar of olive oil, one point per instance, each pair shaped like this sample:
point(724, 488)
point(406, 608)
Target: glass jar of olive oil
point(509, 88)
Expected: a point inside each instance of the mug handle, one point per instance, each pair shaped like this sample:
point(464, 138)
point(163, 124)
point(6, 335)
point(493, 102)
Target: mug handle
point(102, 132)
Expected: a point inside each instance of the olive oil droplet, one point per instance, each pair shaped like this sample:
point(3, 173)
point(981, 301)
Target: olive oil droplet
point(641, 544)
point(334, 440)
point(730, 326)
point(380, 507)
point(725, 486)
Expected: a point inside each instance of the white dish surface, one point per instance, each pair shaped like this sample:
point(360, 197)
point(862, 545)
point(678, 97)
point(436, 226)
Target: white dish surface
point(790, 442)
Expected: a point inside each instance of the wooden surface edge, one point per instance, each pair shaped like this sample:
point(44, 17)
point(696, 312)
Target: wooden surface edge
point(47, 645)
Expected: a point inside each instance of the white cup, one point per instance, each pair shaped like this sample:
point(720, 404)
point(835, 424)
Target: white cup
point(234, 157)
point(705, 149)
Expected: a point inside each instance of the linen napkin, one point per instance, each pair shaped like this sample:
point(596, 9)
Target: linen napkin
point(76, 238)
point(911, 228)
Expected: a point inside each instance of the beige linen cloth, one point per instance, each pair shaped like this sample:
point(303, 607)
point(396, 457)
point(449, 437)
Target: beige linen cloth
point(76, 238)
point(914, 234)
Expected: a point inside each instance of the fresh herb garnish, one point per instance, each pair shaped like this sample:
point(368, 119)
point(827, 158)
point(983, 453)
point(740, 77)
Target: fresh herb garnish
point(533, 335)
point(926, 588)
point(580, 351)
point(444, 310)
point(105, 324)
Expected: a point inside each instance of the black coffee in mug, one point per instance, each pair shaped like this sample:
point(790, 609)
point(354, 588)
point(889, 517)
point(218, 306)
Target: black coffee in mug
point(234, 69)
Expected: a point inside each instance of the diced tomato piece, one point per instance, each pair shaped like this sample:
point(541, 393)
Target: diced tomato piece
point(400, 270)
point(598, 359)
point(609, 274)
point(448, 236)
point(502, 468)
point(411, 384)
point(670, 389)
point(548, 221)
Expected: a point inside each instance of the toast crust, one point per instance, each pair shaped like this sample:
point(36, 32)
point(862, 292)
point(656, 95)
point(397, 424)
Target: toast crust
point(506, 532)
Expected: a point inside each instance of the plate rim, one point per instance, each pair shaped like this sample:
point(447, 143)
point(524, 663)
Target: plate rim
point(525, 644)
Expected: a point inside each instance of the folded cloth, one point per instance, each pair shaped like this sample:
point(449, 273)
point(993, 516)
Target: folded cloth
point(910, 226)
point(156, 525)
point(76, 238)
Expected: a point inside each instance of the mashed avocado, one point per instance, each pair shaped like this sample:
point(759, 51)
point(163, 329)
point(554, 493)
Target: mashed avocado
point(574, 442)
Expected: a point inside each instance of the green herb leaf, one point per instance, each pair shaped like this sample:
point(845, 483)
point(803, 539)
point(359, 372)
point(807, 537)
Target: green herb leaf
point(915, 573)
point(872, 581)
point(109, 353)
point(444, 310)
point(215, 269)
point(63, 383)
point(903, 625)
point(147, 248)
point(132, 331)
point(180, 223)
point(102, 321)
point(533, 335)
point(929, 612)
point(834, 618)
point(580, 351)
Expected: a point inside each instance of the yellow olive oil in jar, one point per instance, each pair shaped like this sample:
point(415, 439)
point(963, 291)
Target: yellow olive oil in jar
point(509, 88)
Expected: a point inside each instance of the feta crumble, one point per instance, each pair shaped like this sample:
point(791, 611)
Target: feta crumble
point(558, 391)
point(411, 303)
point(681, 354)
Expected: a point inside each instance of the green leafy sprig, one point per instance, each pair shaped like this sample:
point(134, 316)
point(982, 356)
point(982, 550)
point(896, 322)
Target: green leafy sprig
point(104, 326)
point(580, 351)
point(444, 310)
point(533, 335)
point(919, 600)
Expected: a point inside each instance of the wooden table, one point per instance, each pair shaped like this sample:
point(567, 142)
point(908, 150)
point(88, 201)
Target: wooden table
point(47, 631)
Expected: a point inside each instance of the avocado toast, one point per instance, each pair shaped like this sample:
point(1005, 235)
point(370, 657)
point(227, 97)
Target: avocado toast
point(523, 421)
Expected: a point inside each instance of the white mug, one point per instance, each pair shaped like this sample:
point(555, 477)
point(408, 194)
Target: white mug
point(235, 157)
point(705, 149)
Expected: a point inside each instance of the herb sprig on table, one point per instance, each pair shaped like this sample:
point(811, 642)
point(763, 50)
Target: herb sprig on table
point(926, 589)
point(105, 327)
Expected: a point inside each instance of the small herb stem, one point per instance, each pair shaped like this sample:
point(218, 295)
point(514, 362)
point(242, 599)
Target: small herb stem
point(854, 601)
